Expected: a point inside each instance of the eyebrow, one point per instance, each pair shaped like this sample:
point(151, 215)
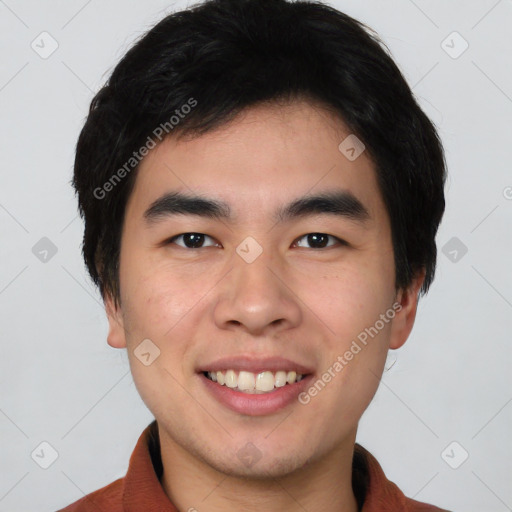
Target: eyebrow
point(341, 203)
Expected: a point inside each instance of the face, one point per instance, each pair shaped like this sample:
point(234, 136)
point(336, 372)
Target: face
point(265, 291)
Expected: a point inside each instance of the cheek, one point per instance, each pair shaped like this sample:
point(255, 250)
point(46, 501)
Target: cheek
point(156, 309)
point(158, 299)
point(162, 305)
point(348, 299)
point(350, 304)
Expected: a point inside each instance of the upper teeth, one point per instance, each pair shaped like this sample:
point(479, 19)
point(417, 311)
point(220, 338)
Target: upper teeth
point(250, 382)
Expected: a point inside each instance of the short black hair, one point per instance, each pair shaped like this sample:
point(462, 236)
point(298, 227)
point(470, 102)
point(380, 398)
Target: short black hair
point(220, 57)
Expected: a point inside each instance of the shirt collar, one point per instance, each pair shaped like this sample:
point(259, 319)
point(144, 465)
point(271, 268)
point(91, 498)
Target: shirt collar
point(142, 488)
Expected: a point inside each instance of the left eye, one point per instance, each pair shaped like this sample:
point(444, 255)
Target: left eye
point(320, 240)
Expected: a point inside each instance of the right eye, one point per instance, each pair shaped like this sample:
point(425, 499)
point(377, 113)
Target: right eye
point(190, 240)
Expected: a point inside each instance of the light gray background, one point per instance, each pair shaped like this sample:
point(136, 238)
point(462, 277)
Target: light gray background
point(60, 381)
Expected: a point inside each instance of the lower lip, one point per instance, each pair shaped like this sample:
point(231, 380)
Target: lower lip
point(256, 404)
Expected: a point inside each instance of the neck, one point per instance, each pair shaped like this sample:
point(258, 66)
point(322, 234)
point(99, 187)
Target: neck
point(192, 485)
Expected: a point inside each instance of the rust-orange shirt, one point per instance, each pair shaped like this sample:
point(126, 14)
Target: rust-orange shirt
point(140, 490)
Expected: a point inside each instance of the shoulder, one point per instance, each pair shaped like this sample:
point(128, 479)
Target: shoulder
point(108, 498)
point(416, 506)
point(376, 492)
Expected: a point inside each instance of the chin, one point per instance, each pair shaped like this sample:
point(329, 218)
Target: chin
point(264, 469)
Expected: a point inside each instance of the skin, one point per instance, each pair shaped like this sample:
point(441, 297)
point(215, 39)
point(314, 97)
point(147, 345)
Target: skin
point(295, 300)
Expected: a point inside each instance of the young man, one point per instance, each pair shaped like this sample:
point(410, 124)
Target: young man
point(261, 194)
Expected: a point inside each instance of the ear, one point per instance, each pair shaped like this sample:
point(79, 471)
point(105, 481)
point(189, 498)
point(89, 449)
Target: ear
point(405, 314)
point(116, 335)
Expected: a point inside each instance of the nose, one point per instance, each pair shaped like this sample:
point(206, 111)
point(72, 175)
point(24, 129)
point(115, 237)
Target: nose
point(257, 297)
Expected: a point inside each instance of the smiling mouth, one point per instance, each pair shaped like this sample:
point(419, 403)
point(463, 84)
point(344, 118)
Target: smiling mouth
point(254, 383)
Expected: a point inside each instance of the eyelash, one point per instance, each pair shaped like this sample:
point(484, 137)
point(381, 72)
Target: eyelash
point(339, 240)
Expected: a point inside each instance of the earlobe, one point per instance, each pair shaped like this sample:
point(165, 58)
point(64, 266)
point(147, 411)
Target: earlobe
point(116, 336)
point(404, 319)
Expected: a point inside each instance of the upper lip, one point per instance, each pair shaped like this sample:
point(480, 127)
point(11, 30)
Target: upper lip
point(254, 365)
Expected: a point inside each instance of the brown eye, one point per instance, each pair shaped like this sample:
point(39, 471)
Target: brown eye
point(191, 240)
point(319, 240)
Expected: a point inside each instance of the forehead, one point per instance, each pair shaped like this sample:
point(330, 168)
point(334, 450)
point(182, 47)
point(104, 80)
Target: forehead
point(263, 158)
